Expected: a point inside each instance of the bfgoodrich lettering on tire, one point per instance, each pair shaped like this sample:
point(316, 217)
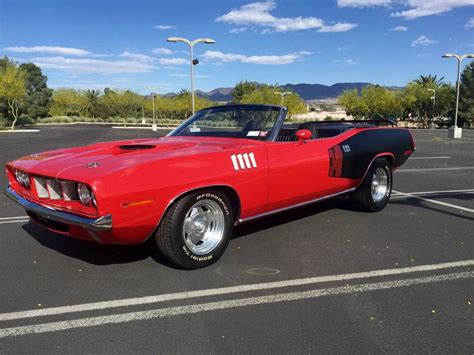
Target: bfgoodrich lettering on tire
point(196, 229)
point(373, 193)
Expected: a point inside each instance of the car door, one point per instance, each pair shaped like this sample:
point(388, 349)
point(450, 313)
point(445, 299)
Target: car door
point(298, 172)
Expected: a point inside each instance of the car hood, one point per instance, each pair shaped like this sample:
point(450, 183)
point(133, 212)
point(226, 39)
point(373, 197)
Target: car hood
point(90, 162)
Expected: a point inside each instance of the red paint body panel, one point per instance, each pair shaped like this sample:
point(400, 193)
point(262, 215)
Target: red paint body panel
point(137, 186)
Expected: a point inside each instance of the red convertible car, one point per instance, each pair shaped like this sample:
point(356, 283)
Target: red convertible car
point(223, 166)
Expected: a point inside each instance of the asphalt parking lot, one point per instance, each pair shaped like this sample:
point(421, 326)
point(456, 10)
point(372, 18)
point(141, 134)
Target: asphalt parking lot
point(323, 278)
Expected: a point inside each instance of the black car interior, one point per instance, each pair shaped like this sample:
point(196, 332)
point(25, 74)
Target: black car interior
point(318, 130)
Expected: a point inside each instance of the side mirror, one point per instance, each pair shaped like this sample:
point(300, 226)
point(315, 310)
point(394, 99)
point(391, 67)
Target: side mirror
point(303, 134)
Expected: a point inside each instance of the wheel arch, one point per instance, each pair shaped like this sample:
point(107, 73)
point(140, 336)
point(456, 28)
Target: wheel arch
point(231, 193)
point(389, 156)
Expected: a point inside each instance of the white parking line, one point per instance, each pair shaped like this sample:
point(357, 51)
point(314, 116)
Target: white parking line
point(228, 290)
point(213, 306)
point(435, 201)
point(421, 158)
point(15, 221)
point(8, 218)
point(436, 169)
point(438, 192)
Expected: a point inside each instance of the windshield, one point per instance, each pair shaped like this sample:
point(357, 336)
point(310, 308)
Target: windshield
point(252, 122)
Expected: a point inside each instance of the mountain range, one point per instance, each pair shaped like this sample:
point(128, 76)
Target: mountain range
point(306, 91)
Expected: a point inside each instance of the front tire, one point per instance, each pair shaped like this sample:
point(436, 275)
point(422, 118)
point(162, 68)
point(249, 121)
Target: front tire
point(373, 193)
point(196, 229)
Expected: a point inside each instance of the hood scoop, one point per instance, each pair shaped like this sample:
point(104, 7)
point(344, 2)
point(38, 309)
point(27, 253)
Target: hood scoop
point(131, 147)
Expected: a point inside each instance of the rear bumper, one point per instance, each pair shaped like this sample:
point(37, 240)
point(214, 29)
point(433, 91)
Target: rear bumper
point(100, 224)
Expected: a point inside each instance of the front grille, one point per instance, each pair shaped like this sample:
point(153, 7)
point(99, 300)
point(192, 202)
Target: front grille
point(41, 187)
point(55, 190)
point(70, 191)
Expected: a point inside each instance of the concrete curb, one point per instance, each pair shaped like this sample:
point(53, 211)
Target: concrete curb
point(20, 131)
point(140, 127)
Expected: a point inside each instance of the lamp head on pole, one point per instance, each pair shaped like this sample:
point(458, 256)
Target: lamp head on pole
point(172, 39)
point(209, 41)
point(448, 55)
point(469, 55)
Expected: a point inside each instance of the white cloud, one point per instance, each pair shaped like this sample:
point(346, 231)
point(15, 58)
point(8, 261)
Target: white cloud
point(172, 61)
point(50, 50)
point(137, 57)
point(238, 30)
point(161, 51)
point(258, 14)
point(422, 41)
point(221, 57)
point(399, 29)
point(412, 9)
point(297, 24)
point(421, 8)
point(92, 66)
point(362, 3)
point(271, 59)
point(470, 23)
point(164, 27)
point(345, 61)
point(338, 27)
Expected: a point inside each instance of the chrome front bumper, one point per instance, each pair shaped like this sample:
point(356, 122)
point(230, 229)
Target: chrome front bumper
point(96, 225)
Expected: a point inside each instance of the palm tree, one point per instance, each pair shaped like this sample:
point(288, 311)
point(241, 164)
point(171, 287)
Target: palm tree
point(425, 104)
point(183, 93)
point(429, 81)
point(91, 103)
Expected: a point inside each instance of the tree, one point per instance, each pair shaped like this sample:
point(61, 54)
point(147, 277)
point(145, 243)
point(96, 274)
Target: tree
point(466, 95)
point(4, 109)
point(66, 102)
point(265, 94)
point(91, 104)
point(38, 94)
point(13, 89)
point(429, 80)
point(418, 98)
point(374, 102)
point(241, 89)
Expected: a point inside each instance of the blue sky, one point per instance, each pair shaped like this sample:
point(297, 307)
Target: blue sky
point(122, 44)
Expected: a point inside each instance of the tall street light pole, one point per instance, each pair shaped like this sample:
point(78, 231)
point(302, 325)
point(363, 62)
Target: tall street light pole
point(282, 94)
point(153, 126)
point(192, 61)
point(434, 106)
point(457, 133)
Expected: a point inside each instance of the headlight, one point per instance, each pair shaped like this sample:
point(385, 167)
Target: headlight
point(22, 178)
point(85, 195)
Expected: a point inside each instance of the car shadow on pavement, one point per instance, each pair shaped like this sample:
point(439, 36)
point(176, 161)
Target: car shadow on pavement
point(340, 203)
point(91, 252)
point(101, 254)
point(415, 202)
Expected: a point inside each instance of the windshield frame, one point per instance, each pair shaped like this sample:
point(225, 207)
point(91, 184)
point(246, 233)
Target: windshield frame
point(270, 138)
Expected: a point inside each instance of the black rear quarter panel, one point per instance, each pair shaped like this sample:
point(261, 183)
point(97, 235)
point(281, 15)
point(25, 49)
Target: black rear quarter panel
point(359, 150)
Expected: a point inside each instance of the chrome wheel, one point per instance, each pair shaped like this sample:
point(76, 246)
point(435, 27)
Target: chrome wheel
point(379, 184)
point(203, 227)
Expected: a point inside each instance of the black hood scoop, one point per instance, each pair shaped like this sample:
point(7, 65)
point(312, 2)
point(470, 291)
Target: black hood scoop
point(130, 147)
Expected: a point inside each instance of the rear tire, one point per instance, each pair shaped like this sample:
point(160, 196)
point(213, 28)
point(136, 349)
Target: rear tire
point(196, 229)
point(373, 193)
